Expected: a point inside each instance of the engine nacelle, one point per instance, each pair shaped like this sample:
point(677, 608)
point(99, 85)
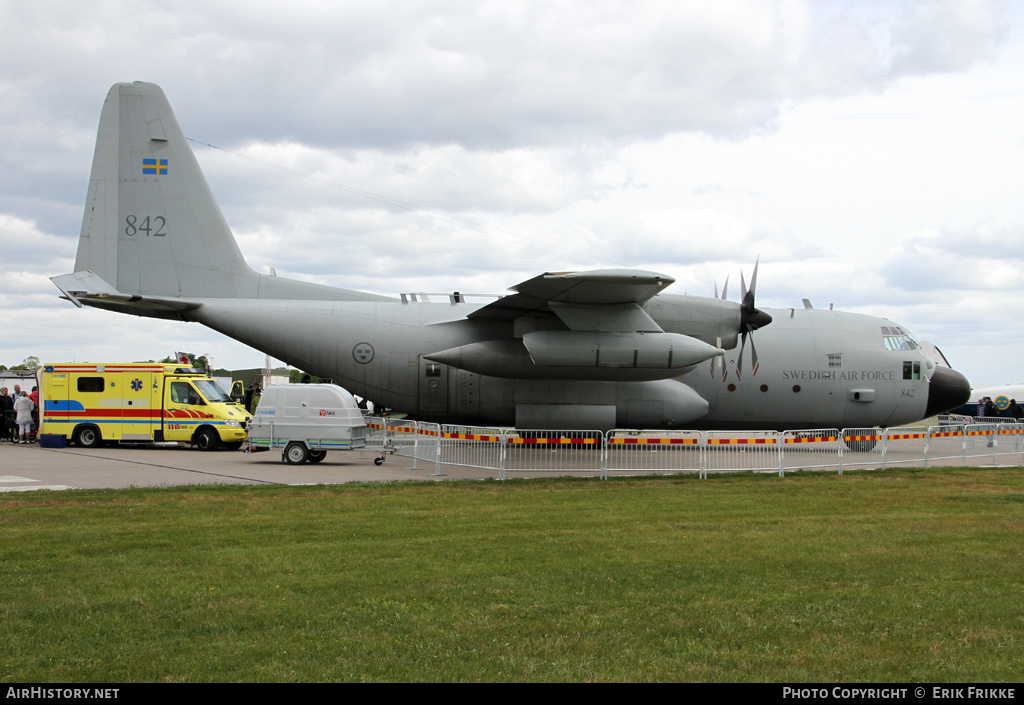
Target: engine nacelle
point(508, 359)
point(573, 348)
point(660, 404)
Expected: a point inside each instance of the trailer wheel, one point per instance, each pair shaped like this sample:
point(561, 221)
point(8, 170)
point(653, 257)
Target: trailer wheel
point(315, 456)
point(87, 436)
point(207, 439)
point(295, 453)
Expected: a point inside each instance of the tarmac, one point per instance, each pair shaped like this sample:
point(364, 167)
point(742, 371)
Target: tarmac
point(25, 467)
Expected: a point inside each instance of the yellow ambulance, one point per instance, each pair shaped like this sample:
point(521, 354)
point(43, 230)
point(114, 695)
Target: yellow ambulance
point(137, 402)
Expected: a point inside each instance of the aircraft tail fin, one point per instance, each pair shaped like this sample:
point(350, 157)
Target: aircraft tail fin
point(152, 230)
point(151, 225)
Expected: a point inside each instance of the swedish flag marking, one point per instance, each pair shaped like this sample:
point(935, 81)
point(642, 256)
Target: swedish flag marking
point(154, 166)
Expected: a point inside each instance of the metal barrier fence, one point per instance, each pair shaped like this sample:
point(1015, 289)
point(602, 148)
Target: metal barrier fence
point(905, 445)
point(472, 446)
point(1011, 437)
point(653, 451)
point(729, 451)
point(815, 448)
point(553, 452)
point(944, 443)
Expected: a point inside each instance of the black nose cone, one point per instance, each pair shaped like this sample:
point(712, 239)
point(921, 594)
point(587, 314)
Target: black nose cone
point(948, 390)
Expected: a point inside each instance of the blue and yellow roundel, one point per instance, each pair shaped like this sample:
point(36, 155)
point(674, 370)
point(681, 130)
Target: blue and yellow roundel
point(1002, 402)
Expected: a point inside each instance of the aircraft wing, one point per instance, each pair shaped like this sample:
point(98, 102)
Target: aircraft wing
point(600, 300)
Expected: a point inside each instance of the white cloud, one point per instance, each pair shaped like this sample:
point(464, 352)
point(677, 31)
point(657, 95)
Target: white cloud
point(28, 251)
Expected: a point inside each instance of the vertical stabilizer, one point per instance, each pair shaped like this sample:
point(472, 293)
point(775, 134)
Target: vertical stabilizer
point(151, 224)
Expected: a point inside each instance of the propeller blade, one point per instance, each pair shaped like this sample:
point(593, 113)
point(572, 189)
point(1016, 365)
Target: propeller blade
point(717, 358)
point(739, 360)
point(753, 353)
point(750, 318)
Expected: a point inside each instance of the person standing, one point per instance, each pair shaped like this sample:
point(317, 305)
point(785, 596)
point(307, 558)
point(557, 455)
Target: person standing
point(23, 416)
point(34, 396)
point(6, 415)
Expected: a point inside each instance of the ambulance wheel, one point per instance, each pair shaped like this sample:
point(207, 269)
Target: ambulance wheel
point(295, 453)
point(207, 439)
point(315, 456)
point(87, 437)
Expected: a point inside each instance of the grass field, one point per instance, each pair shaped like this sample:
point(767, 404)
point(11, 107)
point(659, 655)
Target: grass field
point(872, 576)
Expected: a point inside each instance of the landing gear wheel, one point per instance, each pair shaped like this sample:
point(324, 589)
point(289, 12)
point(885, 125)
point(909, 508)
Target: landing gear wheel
point(207, 439)
point(861, 446)
point(87, 437)
point(295, 453)
point(315, 456)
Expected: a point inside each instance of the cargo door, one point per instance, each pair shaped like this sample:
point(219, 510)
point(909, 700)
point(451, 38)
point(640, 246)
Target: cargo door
point(433, 387)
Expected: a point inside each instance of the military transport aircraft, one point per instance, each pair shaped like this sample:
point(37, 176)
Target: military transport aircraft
point(591, 350)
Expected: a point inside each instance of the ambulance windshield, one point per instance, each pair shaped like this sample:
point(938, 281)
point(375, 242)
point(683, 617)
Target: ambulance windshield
point(213, 393)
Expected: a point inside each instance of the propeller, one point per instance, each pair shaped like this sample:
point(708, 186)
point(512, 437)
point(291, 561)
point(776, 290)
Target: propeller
point(750, 318)
point(718, 358)
point(724, 288)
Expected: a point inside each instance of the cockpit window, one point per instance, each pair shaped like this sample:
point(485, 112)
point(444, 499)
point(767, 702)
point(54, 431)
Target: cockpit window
point(895, 338)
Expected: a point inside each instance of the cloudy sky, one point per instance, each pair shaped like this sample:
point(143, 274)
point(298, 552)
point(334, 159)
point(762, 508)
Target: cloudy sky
point(871, 153)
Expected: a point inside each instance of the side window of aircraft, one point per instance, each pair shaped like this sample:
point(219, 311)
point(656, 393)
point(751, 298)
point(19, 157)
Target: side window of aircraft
point(911, 370)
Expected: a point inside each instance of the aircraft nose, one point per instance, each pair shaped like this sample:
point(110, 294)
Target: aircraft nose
point(948, 389)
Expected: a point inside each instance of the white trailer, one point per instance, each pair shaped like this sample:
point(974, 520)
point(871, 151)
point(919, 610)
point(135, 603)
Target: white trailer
point(306, 421)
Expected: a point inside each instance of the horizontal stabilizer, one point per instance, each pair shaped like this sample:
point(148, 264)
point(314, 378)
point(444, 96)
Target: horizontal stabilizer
point(90, 289)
